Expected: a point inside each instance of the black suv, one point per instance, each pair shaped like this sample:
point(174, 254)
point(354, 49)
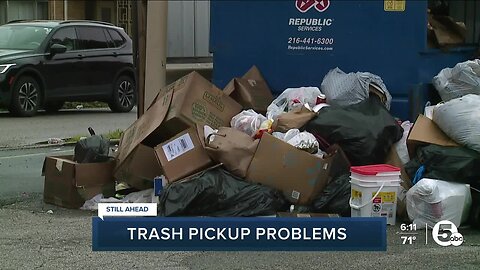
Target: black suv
point(45, 63)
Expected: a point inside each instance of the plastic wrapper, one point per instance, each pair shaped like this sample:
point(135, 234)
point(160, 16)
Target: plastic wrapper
point(401, 146)
point(461, 80)
point(431, 201)
point(344, 89)
point(216, 192)
point(248, 121)
point(365, 131)
point(301, 140)
point(460, 120)
point(266, 126)
point(292, 98)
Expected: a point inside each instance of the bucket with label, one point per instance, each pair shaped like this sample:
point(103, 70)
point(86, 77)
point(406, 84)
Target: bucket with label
point(374, 191)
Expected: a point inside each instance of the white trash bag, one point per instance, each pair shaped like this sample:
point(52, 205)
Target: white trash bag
point(460, 120)
point(461, 80)
point(248, 122)
point(291, 98)
point(344, 89)
point(401, 146)
point(431, 201)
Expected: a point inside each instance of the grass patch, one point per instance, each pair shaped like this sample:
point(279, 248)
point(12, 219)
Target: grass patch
point(111, 135)
point(86, 105)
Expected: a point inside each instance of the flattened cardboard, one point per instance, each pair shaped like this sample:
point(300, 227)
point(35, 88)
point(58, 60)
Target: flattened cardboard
point(299, 175)
point(251, 91)
point(189, 101)
point(188, 162)
point(425, 131)
point(140, 168)
point(69, 184)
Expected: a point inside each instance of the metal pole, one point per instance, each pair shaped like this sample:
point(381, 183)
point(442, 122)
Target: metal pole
point(65, 9)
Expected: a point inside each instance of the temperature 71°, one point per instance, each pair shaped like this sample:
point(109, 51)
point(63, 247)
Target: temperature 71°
point(408, 240)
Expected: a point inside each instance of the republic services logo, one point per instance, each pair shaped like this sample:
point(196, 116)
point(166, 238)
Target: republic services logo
point(305, 5)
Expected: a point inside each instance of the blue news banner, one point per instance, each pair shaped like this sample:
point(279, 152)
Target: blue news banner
point(238, 234)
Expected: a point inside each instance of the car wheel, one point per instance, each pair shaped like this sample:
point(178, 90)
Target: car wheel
point(124, 97)
point(26, 97)
point(54, 106)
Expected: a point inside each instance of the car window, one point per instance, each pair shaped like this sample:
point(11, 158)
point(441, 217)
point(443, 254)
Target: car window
point(117, 38)
point(66, 37)
point(110, 42)
point(22, 37)
point(91, 38)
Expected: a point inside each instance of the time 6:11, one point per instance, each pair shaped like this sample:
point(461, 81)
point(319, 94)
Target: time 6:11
point(408, 227)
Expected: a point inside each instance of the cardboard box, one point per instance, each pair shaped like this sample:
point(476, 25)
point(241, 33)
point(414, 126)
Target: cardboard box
point(298, 174)
point(251, 91)
point(183, 155)
point(69, 184)
point(425, 131)
point(140, 168)
point(189, 101)
point(306, 215)
point(447, 32)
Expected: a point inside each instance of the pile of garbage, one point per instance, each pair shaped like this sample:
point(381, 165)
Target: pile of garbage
point(201, 151)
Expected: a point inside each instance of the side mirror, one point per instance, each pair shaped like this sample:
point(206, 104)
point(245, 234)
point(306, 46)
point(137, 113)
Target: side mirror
point(57, 48)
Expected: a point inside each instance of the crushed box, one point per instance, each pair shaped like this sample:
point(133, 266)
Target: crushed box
point(140, 168)
point(425, 131)
point(69, 184)
point(190, 100)
point(251, 91)
point(183, 155)
point(299, 175)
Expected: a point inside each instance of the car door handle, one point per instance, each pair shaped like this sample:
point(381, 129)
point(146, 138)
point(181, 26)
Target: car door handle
point(115, 54)
point(79, 56)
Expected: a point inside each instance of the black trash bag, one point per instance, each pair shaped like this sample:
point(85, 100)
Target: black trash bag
point(365, 131)
point(92, 149)
point(474, 218)
point(335, 198)
point(219, 193)
point(453, 164)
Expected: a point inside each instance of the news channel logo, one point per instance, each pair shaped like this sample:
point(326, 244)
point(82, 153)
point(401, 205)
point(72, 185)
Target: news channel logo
point(445, 234)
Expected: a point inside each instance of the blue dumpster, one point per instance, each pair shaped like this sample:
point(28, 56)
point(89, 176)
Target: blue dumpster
point(295, 43)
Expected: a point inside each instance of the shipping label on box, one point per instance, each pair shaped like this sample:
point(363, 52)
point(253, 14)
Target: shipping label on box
point(183, 155)
point(178, 147)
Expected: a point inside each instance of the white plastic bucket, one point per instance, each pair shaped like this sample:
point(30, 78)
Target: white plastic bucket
point(372, 197)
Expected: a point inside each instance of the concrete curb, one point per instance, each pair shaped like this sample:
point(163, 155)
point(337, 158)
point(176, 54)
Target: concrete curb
point(45, 144)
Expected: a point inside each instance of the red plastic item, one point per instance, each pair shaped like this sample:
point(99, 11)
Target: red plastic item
point(374, 169)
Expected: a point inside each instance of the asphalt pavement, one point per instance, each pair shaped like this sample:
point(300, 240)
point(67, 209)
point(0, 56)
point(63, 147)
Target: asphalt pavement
point(21, 171)
point(17, 131)
point(31, 238)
